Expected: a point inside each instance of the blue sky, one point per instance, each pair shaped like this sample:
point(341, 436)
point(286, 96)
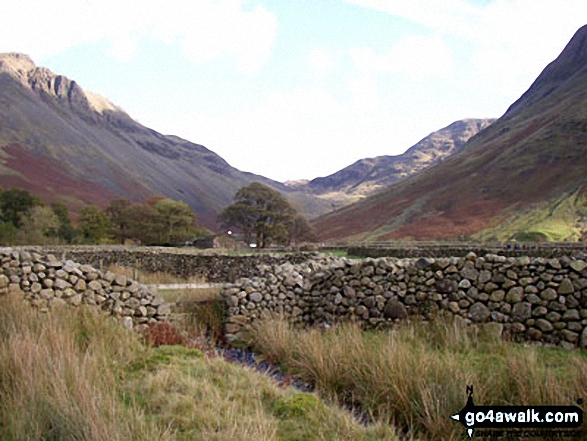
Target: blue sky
point(296, 89)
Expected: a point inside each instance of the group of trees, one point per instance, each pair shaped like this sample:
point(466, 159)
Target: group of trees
point(264, 217)
point(260, 213)
point(159, 221)
point(25, 219)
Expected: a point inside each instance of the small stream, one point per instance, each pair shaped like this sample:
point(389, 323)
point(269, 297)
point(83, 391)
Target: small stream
point(255, 361)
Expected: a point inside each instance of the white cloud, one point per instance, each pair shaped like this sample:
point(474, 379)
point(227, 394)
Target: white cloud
point(206, 29)
point(510, 38)
point(415, 57)
point(322, 62)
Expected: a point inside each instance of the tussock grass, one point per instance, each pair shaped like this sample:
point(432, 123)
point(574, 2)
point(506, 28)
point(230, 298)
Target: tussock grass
point(73, 375)
point(415, 377)
point(58, 377)
point(211, 399)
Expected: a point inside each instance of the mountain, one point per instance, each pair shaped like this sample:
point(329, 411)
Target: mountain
point(367, 176)
point(61, 142)
point(521, 177)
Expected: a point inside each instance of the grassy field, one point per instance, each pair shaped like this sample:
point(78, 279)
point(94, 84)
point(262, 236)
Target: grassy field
point(415, 378)
point(557, 221)
point(74, 375)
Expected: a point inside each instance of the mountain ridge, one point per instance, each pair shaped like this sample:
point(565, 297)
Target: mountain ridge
point(56, 140)
point(369, 175)
point(533, 154)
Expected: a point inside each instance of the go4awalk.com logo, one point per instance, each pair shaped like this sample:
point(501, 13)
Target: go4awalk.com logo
point(527, 421)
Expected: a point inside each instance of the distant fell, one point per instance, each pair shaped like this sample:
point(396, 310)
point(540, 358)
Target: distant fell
point(367, 176)
point(526, 161)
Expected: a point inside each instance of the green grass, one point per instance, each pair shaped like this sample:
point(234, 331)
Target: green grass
point(415, 377)
point(341, 253)
point(209, 399)
point(555, 221)
point(73, 375)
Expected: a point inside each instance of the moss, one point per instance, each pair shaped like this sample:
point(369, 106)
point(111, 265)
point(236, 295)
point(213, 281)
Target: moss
point(163, 355)
point(298, 405)
point(179, 351)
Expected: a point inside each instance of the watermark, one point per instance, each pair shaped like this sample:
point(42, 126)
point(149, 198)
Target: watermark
point(527, 421)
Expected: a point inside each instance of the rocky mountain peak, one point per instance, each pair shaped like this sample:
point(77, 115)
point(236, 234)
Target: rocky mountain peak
point(16, 65)
point(43, 81)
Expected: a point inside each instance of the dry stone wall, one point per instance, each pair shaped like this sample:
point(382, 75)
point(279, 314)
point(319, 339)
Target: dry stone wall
point(533, 299)
point(417, 250)
point(48, 282)
point(182, 262)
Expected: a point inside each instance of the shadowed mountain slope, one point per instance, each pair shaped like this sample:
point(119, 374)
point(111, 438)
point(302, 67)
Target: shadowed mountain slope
point(531, 159)
point(61, 142)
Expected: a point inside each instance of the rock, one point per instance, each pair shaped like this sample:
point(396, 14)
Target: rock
point(157, 301)
point(570, 336)
point(544, 325)
point(94, 285)
point(497, 296)
point(47, 293)
point(548, 294)
point(446, 286)
point(61, 284)
point(566, 287)
point(583, 339)
point(554, 263)
point(465, 284)
point(256, 297)
point(571, 315)
point(522, 311)
point(534, 333)
point(490, 287)
point(76, 300)
point(484, 276)
point(395, 310)
point(479, 313)
point(469, 272)
point(578, 265)
point(553, 317)
point(126, 321)
point(453, 307)
point(515, 295)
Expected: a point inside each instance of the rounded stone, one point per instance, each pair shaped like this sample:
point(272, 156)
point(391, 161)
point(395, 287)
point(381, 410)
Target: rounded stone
point(515, 295)
point(522, 311)
point(544, 325)
point(395, 310)
point(479, 313)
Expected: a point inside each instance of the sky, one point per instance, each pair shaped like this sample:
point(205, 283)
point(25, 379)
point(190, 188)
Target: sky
point(296, 89)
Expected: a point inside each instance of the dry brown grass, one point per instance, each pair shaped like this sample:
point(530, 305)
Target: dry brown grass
point(415, 378)
point(72, 375)
point(58, 378)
